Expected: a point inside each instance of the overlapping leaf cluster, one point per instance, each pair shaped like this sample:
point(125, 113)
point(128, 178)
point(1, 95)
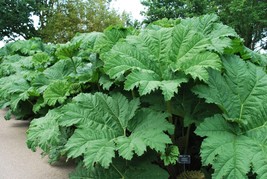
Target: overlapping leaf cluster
point(241, 129)
point(122, 101)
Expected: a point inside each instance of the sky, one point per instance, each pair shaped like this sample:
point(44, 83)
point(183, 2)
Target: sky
point(133, 7)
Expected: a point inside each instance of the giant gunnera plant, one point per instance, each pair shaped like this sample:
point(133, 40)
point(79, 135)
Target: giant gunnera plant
point(130, 104)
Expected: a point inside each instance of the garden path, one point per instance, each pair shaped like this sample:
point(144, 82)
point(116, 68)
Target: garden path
point(19, 162)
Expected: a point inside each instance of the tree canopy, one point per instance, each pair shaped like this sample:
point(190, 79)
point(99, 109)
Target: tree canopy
point(158, 9)
point(16, 19)
point(247, 17)
point(78, 16)
point(59, 20)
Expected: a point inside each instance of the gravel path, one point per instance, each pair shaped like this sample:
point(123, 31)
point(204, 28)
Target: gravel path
point(19, 162)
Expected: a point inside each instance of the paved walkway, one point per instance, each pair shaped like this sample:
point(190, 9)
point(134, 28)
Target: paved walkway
point(19, 162)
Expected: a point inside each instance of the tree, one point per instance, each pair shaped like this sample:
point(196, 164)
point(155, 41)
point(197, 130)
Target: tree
point(78, 16)
point(45, 9)
point(247, 17)
point(59, 20)
point(16, 19)
point(158, 9)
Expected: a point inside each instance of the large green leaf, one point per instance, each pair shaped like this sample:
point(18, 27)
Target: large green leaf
point(189, 53)
point(59, 70)
point(235, 141)
point(149, 81)
point(111, 35)
point(68, 50)
point(60, 81)
point(240, 92)
point(139, 167)
point(44, 132)
point(160, 58)
point(86, 40)
point(41, 82)
point(108, 124)
point(148, 62)
point(26, 47)
point(210, 26)
point(203, 24)
point(232, 152)
point(42, 60)
point(191, 108)
point(120, 109)
point(144, 133)
point(14, 88)
point(58, 91)
point(10, 64)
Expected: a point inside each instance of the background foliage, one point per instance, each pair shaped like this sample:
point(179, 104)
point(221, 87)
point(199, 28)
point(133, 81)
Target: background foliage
point(16, 19)
point(79, 16)
point(247, 17)
point(59, 20)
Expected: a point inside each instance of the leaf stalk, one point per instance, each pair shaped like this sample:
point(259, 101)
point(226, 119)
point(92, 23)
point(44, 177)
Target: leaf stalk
point(122, 177)
point(74, 66)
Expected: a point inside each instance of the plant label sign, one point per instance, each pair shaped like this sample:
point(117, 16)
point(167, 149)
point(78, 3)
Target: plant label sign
point(184, 159)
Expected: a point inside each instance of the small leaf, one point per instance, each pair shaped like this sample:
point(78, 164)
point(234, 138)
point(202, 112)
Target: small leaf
point(170, 157)
point(8, 115)
point(105, 82)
